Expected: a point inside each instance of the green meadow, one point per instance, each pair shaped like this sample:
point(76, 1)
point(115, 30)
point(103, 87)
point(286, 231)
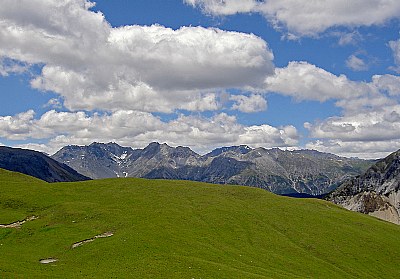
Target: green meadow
point(182, 229)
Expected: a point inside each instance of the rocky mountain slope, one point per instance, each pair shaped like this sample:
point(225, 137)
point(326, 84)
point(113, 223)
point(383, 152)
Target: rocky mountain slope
point(376, 192)
point(37, 164)
point(282, 172)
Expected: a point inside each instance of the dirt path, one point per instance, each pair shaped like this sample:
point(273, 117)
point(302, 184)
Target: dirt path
point(77, 244)
point(18, 224)
point(103, 235)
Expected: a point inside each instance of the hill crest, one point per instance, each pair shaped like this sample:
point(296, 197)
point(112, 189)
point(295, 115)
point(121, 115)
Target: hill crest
point(38, 165)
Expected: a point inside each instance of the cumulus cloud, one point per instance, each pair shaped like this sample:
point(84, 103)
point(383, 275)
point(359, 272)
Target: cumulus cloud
point(367, 126)
point(249, 104)
point(370, 110)
point(381, 92)
point(308, 18)
point(133, 128)
point(357, 133)
point(92, 65)
point(305, 81)
point(18, 126)
point(356, 63)
point(286, 136)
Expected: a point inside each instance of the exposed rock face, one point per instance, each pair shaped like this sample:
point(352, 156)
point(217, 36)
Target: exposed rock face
point(376, 192)
point(301, 171)
point(37, 164)
point(99, 160)
point(96, 160)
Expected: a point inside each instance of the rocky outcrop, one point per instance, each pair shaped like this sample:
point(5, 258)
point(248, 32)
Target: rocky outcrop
point(376, 192)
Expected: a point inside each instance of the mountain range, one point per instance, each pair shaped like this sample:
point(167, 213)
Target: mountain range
point(376, 192)
point(38, 165)
point(276, 170)
point(368, 187)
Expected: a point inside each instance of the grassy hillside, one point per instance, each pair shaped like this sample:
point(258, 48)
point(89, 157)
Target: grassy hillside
point(180, 229)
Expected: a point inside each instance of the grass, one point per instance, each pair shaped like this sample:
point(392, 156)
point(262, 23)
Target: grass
point(182, 229)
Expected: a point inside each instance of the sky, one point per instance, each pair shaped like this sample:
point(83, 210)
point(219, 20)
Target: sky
point(291, 74)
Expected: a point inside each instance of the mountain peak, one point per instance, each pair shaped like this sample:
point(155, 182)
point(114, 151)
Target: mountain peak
point(240, 149)
point(104, 144)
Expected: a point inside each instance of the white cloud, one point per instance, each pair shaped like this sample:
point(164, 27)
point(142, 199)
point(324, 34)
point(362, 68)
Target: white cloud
point(80, 93)
point(370, 110)
point(377, 125)
point(260, 135)
point(8, 66)
point(137, 129)
point(227, 7)
point(305, 81)
point(356, 64)
point(368, 126)
point(249, 104)
point(359, 133)
point(389, 84)
point(395, 46)
point(92, 65)
point(18, 126)
point(53, 103)
point(360, 149)
point(348, 38)
point(308, 18)
point(378, 94)
point(203, 55)
point(36, 146)
point(54, 32)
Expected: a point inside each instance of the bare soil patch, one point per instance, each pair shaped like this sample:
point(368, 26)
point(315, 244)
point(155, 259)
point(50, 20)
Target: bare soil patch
point(18, 224)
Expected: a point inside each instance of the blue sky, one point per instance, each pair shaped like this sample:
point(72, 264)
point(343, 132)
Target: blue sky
point(202, 73)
